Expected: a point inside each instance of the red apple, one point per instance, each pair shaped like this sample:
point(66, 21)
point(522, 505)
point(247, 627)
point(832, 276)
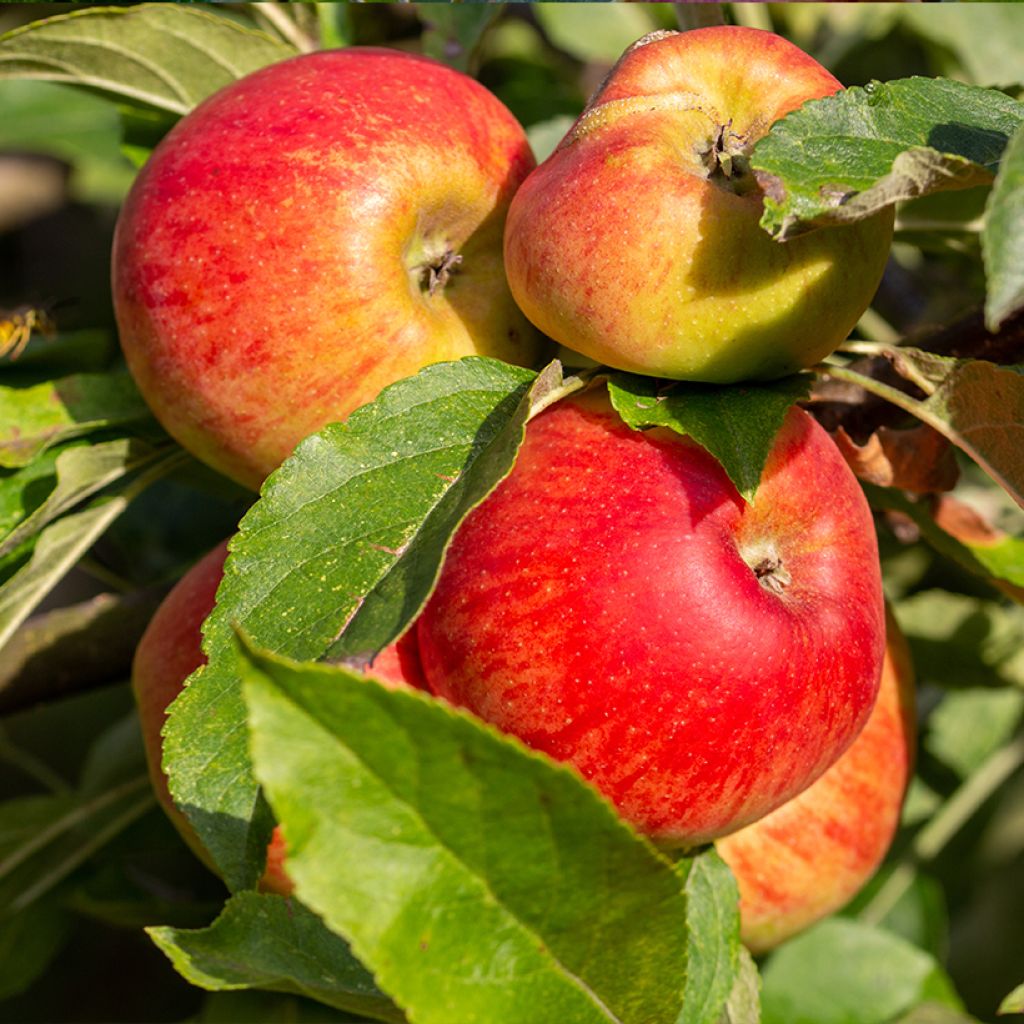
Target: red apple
point(812, 855)
point(170, 651)
point(308, 235)
point(616, 604)
point(637, 242)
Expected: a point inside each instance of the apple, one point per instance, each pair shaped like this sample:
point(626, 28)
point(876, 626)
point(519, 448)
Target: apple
point(813, 854)
point(616, 604)
point(637, 241)
point(309, 234)
point(170, 651)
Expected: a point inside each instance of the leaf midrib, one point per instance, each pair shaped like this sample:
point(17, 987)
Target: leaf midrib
point(573, 978)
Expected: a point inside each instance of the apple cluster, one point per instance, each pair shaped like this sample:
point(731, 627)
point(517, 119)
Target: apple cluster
point(715, 667)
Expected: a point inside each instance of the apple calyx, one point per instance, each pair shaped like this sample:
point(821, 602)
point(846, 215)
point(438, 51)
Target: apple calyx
point(722, 155)
point(772, 575)
point(436, 274)
point(727, 160)
point(766, 564)
point(430, 260)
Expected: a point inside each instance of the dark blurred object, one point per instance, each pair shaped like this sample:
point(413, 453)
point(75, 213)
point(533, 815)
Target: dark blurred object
point(71, 649)
point(31, 186)
point(105, 974)
point(59, 258)
point(841, 404)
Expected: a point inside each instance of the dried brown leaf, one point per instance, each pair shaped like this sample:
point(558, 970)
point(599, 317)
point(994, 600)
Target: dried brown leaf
point(919, 460)
point(964, 523)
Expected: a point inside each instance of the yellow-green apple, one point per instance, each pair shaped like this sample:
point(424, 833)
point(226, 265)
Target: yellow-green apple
point(637, 241)
point(308, 235)
point(170, 651)
point(813, 854)
point(616, 604)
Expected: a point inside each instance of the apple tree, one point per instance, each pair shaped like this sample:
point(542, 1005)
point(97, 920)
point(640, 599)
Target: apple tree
point(437, 870)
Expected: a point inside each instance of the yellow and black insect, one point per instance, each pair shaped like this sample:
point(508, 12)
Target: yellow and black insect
point(18, 325)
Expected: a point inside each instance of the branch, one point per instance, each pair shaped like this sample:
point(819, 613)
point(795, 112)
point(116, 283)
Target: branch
point(838, 403)
point(698, 14)
point(969, 338)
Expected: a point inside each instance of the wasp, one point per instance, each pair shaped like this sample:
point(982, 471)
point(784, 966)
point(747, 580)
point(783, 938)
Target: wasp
point(18, 325)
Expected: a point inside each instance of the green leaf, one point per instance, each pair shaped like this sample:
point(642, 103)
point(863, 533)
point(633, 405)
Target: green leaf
point(74, 647)
point(452, 32)
point(335, 23)
point(80, 473)
point(947, 215)
point(62, 543)
point(984, 37)
point(34, 418)
point(28, 942)
point(1002, 241)
point(45, 839)
point(114, 757)
point(844, 972)
point(58, 548)
point(736, 424)
point(119, 890)
point(143, 129)
point(845, 157)
point(23, 490)
point(338, 555)
point(919, 912)
point(546, 135)
point(269, 942)
point(83, 130)
point(576, 29)
point(712, 955)
point(971, 725)
point(936, 1013)
point(1014, 1002)
point(995, 560)
point(964, 641)
point(920, 803)
point(478, 880)
point(165, 55)
point(50, 742)
point(21, 820)
point(428, 513)
point(257, 1007)
point(48, 357)
point(744, 1003)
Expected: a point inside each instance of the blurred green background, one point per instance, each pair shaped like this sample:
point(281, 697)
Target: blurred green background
point(66, 160)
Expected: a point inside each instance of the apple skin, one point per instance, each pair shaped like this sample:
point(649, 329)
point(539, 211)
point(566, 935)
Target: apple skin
point(622, 247)
point(602, 605)
point(170, 651)
point(271, 264)
point(812, 855)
